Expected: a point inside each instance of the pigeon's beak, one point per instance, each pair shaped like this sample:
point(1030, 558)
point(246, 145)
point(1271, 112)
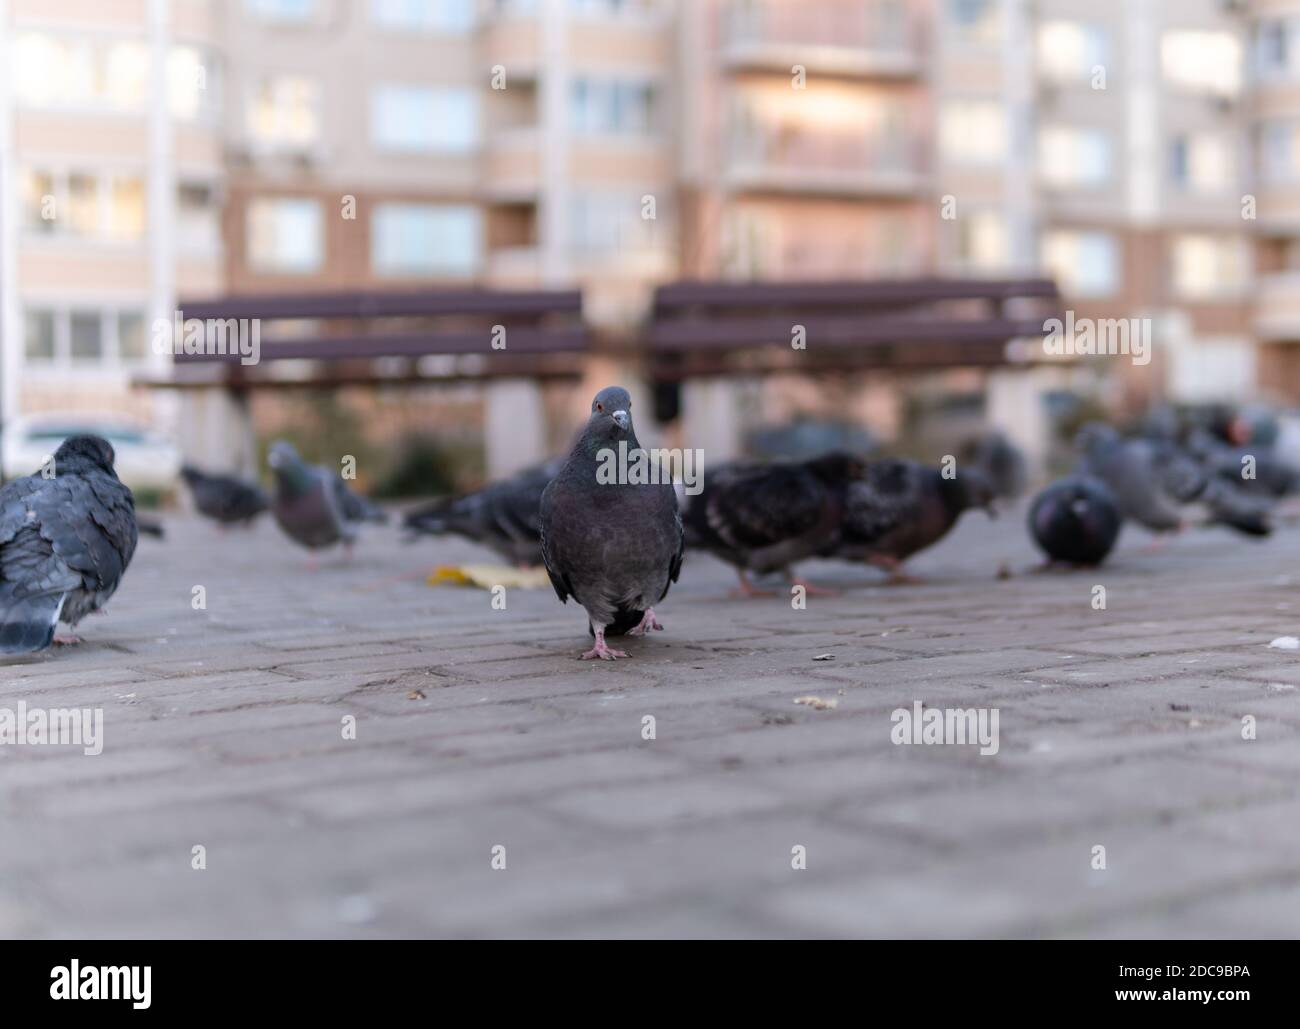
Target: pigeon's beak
point(622, 419)
point(1079, 507)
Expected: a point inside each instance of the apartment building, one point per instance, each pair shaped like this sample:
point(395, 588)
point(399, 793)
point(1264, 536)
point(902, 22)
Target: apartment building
point(156, 149)
point(1273, 43)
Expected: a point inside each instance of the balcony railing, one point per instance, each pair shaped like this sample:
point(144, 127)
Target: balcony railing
point(801, 161)
point(863, 36)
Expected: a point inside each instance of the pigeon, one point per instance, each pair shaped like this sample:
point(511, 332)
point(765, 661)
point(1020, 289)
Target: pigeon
point(312, 504)
point(1231, 505)
point(1075, 520)
point(900, 507)
point(224, 498)
point(505, 516)
point(614, 546)
point(150, 527)
point(1149, 478)
point(1257, 470)
point(65, 543)
point(763, 518)
point(999, 460)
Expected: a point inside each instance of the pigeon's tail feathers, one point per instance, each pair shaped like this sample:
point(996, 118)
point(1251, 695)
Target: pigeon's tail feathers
point(1233, 508)
point(27, 622)
point(625, 620)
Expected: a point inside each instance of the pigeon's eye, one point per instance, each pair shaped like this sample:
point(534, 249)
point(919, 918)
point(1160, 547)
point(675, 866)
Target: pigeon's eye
point(600, 407)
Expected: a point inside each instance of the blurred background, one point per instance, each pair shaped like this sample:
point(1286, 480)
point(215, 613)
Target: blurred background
point(648, 192)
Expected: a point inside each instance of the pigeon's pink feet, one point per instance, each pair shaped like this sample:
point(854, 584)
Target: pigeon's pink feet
point(748, 589)
point(814, 591)
point(648, 622)
point(66, 639)
point(600, 650)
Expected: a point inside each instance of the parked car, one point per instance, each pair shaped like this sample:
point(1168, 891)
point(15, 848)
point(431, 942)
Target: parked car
point(146, 461)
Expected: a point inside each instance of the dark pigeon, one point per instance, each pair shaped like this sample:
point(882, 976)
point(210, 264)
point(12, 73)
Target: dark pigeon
point(65, 543)
point(900, 507)
point(1235, 507)
point(1000, 461)
point(764, 518)
point(615, 547)
point(312, 503)
point(1075, 520)
point(505, 516)
point(1149, 478)
point(1272, 475)
point(224, 498)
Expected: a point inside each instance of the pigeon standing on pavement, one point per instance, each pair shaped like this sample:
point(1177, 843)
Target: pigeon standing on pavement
point(65, 543)
point(505, 516)
point(614, 546)
point(900, 507)
point(312, 504)
point(764, 518)
point(224, 498)
point(1075, 520)
point(1150, 479)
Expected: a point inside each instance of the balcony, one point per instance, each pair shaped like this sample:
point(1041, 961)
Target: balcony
point(848, 38)
point(1277, 308)
point(512, 164)
point(785, 160)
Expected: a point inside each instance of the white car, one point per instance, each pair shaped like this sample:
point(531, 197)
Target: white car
point(145, 460)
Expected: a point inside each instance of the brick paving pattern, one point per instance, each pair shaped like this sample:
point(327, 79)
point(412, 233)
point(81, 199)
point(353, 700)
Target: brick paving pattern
point(475, 728)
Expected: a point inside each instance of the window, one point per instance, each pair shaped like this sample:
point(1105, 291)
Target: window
point(613, 106)
point(130, 336)
point(1200, 162)
point(40, 206)
point(425, 239)
point(57, 71)
point(1070, 50)
point(38, 329)
point(198, 229)
point(1279, 152)
point(975, 21)
point(982, 241)
point(602, 223)
point(193, 89)
point(282, 10)
point(126, 209)
point(1205, 266)
point(1070, 156)
point(80, 214)
point(285, 235)
point(1276, 47)
point(1202, 62)
point(973, 132)
point(424, 119)
point(450, 16)
point(1084, 263)
point(284, 111)
point(86, 336)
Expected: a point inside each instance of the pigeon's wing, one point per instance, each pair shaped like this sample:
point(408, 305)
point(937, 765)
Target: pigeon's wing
point(889, 494)
point(59, 535)
point(766, 506)
point(551, 556)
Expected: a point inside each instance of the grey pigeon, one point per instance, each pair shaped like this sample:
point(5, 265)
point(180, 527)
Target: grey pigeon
point(311, 503)
point(999, 460)
point(900, 507)
point(65, 543)
point(763, 518)
point(1075, 520)
point(614, 546)
point(1150, 479)
point(505, 515)
point(224, 498)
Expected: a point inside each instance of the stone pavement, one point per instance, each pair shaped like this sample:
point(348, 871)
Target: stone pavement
point(475, 728)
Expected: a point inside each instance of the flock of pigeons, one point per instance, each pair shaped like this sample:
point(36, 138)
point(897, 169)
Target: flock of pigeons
point(66, 538)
